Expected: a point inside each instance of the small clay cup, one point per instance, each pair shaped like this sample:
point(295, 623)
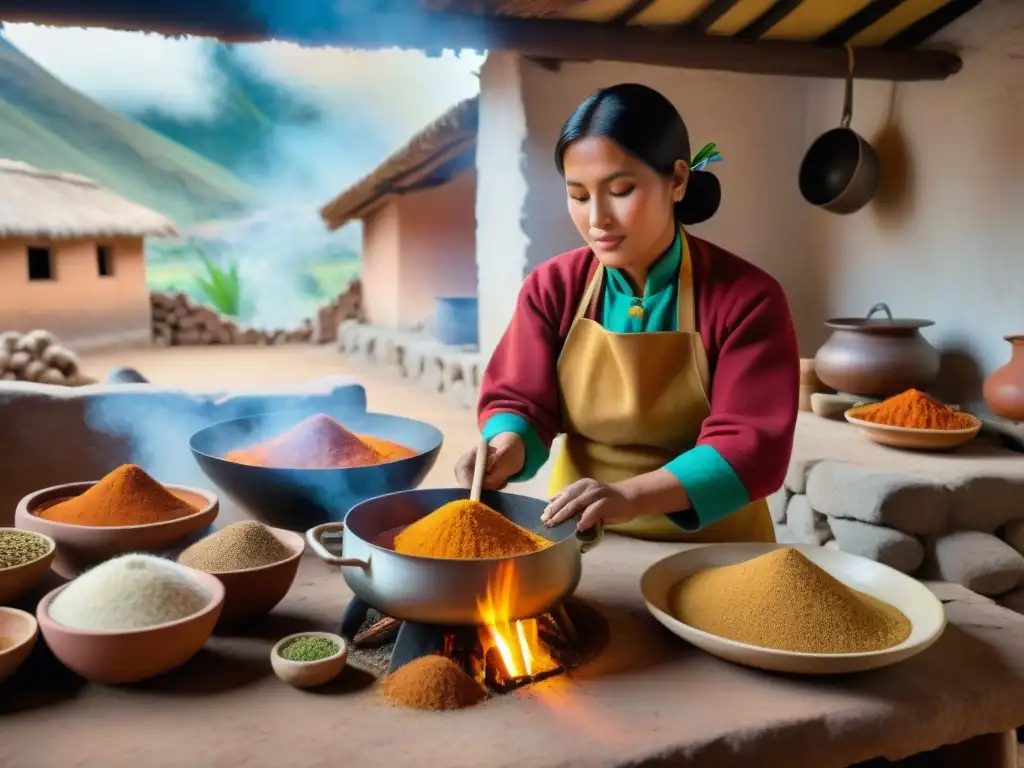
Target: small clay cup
point(253, 592)
point(309, 674)
point(21, 630)
point(119, 656)
point(16, 580)
point(79, 547)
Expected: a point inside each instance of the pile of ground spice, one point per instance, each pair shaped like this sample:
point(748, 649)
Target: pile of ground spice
point(785, 602)
point(309, 648)
point(432, 682)
point(130, 592)
point(237, 547)
point(319, 442)
point(20, 547)
point(127, 496)
point(467, 530)
point(915, 410)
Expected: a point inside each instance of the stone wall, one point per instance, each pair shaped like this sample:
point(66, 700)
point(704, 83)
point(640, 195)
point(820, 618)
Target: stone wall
point(967, 530)
point(179, 321)
point(37, 356)
point(416, 355)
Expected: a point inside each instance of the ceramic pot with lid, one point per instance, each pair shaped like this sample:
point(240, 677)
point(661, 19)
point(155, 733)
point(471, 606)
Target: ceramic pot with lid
point(877, 357)
point(1004, 389)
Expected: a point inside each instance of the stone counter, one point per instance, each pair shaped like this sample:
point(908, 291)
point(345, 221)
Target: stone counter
point(648, 699)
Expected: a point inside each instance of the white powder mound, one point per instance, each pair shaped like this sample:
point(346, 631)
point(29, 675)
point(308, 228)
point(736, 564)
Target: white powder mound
point(130, 592)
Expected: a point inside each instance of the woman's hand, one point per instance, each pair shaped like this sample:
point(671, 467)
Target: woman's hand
point(592, 502)
point(505, 458)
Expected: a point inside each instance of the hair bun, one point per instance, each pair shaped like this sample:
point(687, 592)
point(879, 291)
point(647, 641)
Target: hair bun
point(702, 198)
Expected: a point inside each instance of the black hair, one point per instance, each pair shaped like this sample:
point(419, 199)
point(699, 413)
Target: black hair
point(647, 126)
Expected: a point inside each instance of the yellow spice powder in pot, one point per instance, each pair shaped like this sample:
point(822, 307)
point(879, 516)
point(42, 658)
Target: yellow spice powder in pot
point(785, 602)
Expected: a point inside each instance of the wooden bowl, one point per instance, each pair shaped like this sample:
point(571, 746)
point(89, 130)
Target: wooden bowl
point(309, 674)
point(20, 631)
point(913, 599)
point(129, 656)
point(252, 592)
point(914, 439)
point(79, 547)
point(16, 580)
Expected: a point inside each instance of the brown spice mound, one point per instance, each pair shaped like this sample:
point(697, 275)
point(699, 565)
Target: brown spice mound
point(467, 530)
point(432, 682)
point(126, 496)
point(319, 442)
point(785, 602)
point(915, 410)
point(236, 547)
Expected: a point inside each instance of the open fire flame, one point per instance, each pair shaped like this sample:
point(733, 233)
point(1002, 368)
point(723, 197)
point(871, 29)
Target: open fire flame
point(518, 643)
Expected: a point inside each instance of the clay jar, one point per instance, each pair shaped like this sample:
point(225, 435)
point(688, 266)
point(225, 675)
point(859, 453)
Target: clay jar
point(877, 357)
point(1004, 389)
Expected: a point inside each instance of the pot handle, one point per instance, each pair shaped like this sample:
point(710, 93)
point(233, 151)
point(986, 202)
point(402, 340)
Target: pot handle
point(590, 538)
point(880, 307)
point(313, 538)
point(848, 95)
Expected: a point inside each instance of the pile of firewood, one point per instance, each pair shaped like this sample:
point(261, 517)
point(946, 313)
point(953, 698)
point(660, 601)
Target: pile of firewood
point(178, 321)
point(37, 356)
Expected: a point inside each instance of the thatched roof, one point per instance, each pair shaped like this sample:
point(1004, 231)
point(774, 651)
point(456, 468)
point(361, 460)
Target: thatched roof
point(35, 203)
point(436, 154)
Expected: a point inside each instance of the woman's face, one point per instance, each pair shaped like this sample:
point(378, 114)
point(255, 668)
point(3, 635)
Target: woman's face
point(621, 206)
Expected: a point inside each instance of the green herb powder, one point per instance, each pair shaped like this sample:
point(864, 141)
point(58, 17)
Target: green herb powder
point(18, 547)
point(309, 649)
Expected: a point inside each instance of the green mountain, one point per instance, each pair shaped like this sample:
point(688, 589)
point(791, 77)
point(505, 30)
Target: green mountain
point(47, 124)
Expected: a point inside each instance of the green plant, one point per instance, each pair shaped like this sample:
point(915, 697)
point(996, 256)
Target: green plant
point(221, 288)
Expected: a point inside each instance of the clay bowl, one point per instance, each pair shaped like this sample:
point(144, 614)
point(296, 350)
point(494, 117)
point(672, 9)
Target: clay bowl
point(16, 580)
point(79, 547)
point(20, 630)
point(113, 657)
point(914, 439)
point(300, 499)
point(308, 674)
point(254, 592)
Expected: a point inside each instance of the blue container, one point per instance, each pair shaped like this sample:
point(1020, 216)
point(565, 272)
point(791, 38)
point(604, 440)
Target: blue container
point(456, 320)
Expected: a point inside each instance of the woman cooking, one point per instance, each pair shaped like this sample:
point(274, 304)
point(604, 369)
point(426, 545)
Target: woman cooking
point(670, 365)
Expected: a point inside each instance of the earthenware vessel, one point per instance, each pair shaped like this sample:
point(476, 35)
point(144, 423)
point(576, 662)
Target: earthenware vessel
point(1004, 389)
point(79, 547)
point(309, 674)
point(18, 634)
point(116, 656)
point(16, 580)
point(253, 592)
point(877, 357)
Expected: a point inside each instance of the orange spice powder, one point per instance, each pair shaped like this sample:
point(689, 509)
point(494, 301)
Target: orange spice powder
point(914, 409)
point(319, 442)
point(467, 530)
point(126, 496)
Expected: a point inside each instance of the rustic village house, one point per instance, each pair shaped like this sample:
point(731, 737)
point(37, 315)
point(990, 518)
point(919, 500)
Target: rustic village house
point(418, 210)
point(72, 258)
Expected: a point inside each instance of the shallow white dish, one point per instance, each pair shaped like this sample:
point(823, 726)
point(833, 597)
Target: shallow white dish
point(925, 611)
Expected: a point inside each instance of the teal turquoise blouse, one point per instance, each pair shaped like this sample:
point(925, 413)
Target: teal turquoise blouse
point(714, 488)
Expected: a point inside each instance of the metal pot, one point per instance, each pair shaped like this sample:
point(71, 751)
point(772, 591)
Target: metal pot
point(877, 358)
point(437, 591)
point(841, 171)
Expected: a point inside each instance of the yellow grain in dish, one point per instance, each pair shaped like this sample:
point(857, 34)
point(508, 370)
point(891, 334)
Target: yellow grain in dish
point(785, 602)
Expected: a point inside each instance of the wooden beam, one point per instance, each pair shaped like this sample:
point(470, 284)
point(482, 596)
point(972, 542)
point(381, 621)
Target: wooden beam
point(711, 13)
point(925, 27)
point(544, 38)
point(635, 9)
point(846, 30)
point(772, 15)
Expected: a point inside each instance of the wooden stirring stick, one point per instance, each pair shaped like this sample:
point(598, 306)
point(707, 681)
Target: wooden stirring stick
point(479, 469)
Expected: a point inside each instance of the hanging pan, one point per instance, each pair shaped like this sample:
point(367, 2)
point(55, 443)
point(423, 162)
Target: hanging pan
point(841, 172)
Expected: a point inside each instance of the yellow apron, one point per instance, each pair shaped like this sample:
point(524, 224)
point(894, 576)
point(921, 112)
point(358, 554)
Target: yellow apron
point(631, 402)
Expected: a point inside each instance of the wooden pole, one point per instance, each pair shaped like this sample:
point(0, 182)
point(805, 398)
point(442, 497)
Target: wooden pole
point(565, 40)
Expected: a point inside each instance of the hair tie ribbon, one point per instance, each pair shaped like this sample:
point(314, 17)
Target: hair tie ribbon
point(707, 154)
